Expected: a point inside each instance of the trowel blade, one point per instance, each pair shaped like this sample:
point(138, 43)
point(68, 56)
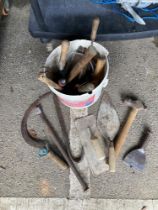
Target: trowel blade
point(136, 159)
point(107, 121)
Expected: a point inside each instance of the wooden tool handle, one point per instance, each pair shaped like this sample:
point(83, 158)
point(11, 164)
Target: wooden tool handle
point(43, 78)
point(87, 57)
point(95, 27)
point(99, 66)
point(124, 132)
point(57, 160)
point(86, 88)
point(112, 158)
point(64, 51)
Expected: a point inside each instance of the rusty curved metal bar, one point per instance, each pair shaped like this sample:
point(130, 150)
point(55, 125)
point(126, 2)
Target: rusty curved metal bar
point(39, 143)
point(30, 139)
point(62, 150)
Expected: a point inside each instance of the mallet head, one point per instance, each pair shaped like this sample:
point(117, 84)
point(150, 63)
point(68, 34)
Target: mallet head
point(135, 104)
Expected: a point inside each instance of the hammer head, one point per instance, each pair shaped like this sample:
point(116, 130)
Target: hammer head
point(136, 104)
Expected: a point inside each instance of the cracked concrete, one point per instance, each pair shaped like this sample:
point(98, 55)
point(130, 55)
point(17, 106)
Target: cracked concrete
point(133, 69)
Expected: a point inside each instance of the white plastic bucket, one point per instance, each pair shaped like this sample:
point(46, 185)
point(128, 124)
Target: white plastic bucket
point(87, 99)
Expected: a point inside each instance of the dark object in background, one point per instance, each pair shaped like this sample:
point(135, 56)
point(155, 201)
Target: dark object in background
point(71, 19)
point(4, 7)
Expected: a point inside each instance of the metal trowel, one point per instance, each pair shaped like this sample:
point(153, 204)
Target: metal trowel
point(136, 159)
point(108, 124)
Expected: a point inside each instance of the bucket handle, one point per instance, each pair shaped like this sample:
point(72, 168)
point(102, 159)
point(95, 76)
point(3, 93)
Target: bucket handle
point(105, 83)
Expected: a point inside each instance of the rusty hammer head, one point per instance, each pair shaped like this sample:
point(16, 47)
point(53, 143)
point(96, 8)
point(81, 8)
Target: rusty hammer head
point(135, 104)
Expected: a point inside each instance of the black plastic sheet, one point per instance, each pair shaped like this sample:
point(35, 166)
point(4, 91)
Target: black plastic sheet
point(72, 19)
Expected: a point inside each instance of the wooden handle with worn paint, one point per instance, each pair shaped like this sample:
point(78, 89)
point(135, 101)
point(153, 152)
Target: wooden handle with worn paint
point(112, 158)
point(64, 51)
point(95, 26)
point(87, 57)
point(99, 66)
point(124, 132)
point(43, 78)
point(57, 160)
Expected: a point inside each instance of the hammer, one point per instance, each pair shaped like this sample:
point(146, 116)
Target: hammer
point(136, 106)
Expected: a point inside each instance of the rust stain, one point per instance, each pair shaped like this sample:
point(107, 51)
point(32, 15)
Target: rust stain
point(44, 188)
point(32, 133)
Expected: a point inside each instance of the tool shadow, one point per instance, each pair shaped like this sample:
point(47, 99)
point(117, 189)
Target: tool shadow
point(141, 141)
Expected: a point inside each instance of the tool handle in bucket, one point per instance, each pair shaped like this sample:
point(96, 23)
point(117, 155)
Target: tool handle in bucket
point(43, 78)
point(64, 51)
point(99, 66)
point(86, 58)
point(95, 26)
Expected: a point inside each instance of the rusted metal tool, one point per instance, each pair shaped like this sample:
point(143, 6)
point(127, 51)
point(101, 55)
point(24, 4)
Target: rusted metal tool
point(28, 137)
point(136, 106)
point(32, 139)
point(39, 143)
point(136, 158)
point(63, 57)
point(62, 149)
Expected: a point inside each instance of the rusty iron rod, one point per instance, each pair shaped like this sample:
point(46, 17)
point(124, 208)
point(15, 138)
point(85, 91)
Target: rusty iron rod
point(62, 150)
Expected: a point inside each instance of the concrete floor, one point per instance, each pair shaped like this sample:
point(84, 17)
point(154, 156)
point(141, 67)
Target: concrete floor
point(133, 69)
point(69, 204)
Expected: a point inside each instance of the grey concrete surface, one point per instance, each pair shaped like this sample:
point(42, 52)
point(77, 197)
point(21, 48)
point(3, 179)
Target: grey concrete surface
point(21, 57)
point(133, 69)
point(68, 204)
